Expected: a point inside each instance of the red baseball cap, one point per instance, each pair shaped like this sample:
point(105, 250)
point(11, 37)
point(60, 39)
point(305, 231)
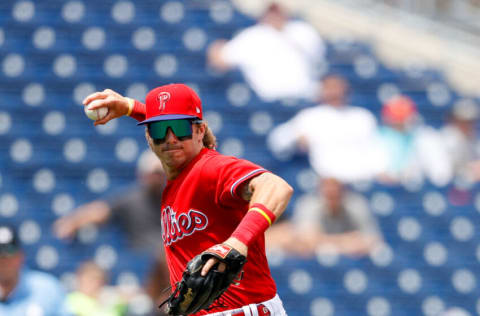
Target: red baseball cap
point(172, 102)
point(399, 109)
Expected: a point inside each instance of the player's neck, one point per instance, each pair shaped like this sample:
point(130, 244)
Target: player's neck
point(173, 173)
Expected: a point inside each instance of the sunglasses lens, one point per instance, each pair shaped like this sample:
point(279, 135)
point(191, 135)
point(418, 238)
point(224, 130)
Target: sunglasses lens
point(181, 128)
point(156, 130)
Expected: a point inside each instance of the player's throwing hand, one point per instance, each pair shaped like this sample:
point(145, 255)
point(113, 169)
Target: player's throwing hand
point(117, 104)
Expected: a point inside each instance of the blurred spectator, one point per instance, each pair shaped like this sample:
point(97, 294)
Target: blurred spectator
point(137, 209)
point(24, 291)
point(414, 150)
point(138, 212)
point(460, 137)
point(339, 138)
point(336, 220)
point(279, 57)
point(92, 296)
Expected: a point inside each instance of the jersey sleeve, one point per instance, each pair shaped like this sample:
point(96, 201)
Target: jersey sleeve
point(138, 111)
point(230, 174)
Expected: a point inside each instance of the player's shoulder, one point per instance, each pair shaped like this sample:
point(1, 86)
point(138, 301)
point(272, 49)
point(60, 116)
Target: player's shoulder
point(214, 158)
point(214, 162)
point(211, 164)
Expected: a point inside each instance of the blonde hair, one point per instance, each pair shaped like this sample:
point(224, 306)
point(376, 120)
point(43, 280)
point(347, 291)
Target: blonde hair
point(209, 139)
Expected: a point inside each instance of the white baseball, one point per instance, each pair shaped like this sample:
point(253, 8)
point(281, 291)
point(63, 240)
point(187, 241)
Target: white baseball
point(97, 114)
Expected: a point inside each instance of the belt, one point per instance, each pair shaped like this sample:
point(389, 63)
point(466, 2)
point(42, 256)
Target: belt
point(261, 309)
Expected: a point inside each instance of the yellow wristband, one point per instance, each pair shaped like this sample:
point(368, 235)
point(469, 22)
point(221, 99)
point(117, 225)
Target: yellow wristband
point(131, 103)
point(256, 209)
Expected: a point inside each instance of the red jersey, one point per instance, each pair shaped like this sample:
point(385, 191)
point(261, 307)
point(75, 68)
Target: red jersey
point(202, 207)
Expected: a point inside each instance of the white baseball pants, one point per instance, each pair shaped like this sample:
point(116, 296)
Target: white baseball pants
point(275, 307)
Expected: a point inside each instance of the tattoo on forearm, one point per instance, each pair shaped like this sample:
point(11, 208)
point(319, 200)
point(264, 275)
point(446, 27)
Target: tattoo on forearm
point(247, 193)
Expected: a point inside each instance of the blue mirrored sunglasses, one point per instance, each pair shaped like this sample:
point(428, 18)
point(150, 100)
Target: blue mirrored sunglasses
point(181, 128)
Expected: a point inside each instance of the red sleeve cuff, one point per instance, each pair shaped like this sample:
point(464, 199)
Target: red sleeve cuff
point(138, 111)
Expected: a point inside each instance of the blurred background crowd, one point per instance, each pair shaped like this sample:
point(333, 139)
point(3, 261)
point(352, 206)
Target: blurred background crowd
point(369, 109)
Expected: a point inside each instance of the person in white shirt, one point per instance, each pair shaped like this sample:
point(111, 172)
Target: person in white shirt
point(278, 57)
point(341, 140)
point(461, 138)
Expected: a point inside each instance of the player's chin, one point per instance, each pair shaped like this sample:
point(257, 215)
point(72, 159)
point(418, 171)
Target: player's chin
point(172, 150)
point(173, 157)
point(173, 154)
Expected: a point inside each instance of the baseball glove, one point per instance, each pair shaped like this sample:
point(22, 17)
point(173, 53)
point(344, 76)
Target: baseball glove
point(195, 292)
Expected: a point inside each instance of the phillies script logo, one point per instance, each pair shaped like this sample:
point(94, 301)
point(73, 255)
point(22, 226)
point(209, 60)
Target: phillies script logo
point(176, 227)
point(163, 97)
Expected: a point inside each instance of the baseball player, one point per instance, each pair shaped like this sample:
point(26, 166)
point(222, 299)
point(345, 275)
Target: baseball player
point(211, 201)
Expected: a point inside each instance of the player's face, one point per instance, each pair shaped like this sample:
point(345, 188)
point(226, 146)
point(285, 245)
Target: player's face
point(174, 151)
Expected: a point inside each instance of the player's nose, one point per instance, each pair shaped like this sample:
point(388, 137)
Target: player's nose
point(170, 136)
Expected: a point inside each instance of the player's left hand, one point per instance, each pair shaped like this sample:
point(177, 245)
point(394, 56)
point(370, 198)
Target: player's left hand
point(196, 291)
point(232, 242)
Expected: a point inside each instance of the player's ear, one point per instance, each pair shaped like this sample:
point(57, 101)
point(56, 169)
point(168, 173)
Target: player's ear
point(200, 129)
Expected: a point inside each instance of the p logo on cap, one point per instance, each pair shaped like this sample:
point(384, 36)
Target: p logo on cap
point(163, 97)
point(172, 102)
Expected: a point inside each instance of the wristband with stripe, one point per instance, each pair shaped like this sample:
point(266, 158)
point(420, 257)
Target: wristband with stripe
point(264, 211)
point(257, 220)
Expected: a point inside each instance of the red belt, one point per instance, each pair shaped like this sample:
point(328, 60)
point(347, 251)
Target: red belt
point(262, 311)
